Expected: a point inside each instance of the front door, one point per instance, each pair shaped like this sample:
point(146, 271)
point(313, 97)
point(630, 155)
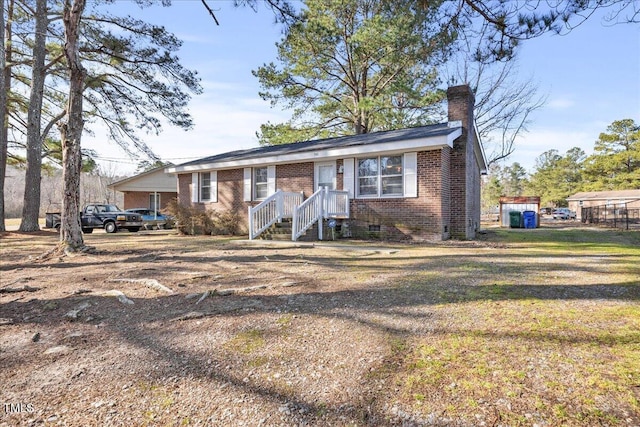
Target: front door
point(325, 175)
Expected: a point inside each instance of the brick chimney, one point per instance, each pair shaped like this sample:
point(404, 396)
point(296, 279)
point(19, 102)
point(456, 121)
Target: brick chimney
point(465, 173)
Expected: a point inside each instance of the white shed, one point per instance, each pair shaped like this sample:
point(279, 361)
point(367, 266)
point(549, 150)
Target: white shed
point(519, 204)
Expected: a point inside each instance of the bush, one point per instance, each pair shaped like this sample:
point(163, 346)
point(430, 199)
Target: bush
point(189, 220)
point(192, 221)
point(226, 222)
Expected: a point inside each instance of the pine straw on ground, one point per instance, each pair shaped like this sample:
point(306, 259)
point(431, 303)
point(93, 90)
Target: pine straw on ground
point(156, 329)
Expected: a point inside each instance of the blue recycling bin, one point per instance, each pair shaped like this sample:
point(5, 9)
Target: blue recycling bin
point(529, 219)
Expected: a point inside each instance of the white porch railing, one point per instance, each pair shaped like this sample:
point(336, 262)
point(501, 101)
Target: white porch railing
point(322, 204)
point(336, 204)
point(274, 208)
point(305, 215)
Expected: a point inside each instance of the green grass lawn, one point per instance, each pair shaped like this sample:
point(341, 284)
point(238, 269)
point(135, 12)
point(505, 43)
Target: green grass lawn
point(547, 334)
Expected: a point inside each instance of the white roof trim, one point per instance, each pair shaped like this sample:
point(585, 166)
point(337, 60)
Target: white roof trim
point(480, 154)
point(418, 144)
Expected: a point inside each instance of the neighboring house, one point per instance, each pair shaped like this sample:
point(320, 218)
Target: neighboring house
point(151, 189)
point(620, 199)
point(420, 183)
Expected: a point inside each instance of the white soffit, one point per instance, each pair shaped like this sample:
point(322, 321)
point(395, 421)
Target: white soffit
point(417, 144)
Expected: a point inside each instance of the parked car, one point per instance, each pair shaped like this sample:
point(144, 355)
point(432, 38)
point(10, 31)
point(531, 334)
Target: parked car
point(109, 217)
point(546, 211)
point(564, 213)
point(151, 218)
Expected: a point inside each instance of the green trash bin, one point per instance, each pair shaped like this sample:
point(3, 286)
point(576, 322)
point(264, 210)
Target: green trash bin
point(515, 219)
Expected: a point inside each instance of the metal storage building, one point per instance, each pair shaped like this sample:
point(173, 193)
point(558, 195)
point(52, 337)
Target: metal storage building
point(520, 204)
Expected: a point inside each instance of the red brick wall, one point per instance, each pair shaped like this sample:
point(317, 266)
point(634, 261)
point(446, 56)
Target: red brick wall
point(184, 189)
point(474, 192)
point(140, 199)
point(291, 177)
point(295, 177)
point(230, 195)
point(230, 191)
point(425, 217)
point(465, 176)
point(415, 218)
point(340, 176)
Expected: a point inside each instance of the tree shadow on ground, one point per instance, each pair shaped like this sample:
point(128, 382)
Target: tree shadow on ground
point(400, 306)
point(400, 311)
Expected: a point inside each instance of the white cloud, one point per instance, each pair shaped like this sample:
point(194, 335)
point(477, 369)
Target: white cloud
point(561, 103)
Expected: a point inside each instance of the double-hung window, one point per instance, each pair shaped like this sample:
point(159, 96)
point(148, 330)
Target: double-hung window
point(205, 186)
point(380, 176)
point(368, 177)
point(260, 183)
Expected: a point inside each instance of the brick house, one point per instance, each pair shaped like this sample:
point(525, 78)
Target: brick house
point(419, 183)
point(605, 202)
point(618, 199)
point(151, 189)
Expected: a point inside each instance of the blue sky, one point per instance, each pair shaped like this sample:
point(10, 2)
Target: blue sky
point(590, 76)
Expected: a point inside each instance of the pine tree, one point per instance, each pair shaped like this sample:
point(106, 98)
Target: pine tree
point(355, 67)
point(556, 177)
point(615, 163)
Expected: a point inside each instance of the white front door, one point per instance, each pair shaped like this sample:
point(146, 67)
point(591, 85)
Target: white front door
point(325, 175)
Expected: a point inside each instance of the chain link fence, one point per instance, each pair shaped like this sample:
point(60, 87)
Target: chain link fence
point(615, 216)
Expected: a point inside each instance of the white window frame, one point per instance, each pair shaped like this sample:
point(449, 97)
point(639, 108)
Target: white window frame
point(197, 186)
point(255, 183)
point(376, 176)
point(249, 181)
point(409, 176)
point(382, 177)
point(204, 176)
point(379, 178)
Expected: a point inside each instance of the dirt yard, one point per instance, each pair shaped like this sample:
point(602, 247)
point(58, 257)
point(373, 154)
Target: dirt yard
point(521, 328)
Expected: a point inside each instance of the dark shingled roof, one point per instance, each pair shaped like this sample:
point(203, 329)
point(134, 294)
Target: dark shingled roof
point(322, 144)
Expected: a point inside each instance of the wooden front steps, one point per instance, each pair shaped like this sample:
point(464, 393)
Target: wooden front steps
point(282, 231)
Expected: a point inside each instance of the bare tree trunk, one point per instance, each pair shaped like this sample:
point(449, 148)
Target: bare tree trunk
point(33, 177)
point(71, 131)
point(5, 80)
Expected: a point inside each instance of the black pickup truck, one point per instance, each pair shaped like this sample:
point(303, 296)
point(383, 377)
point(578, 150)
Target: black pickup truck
point(109, 217)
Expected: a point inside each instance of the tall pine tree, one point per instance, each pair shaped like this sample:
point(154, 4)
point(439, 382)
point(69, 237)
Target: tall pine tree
point(615, 163)
point(354, 67)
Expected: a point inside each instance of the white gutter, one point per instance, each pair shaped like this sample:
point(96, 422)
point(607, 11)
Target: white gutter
point(429, 143)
